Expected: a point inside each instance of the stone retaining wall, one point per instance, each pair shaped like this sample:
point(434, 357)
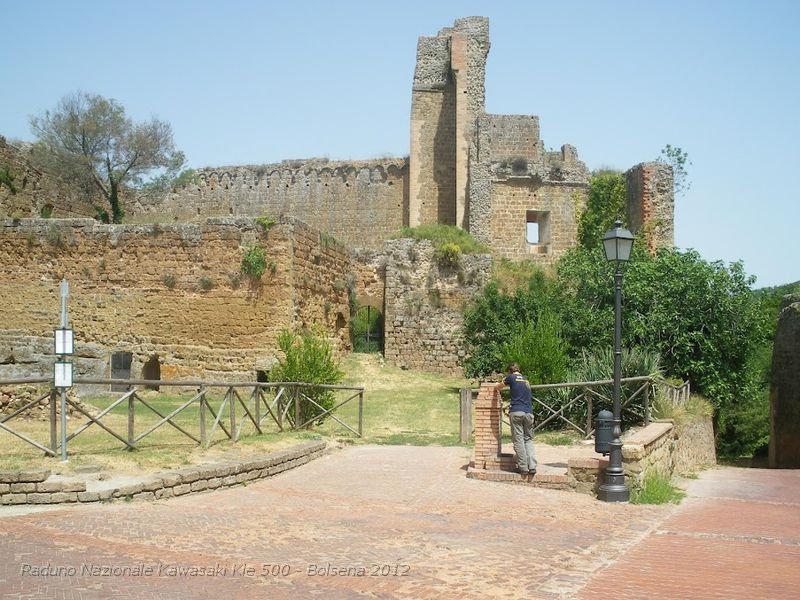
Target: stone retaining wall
point(39, 487)
point(660, 447)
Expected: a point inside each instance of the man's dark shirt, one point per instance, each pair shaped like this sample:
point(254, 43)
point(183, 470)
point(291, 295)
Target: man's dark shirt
point(520, 393)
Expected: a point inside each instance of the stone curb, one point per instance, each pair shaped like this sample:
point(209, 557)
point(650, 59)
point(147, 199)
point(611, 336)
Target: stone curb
point(31, 487)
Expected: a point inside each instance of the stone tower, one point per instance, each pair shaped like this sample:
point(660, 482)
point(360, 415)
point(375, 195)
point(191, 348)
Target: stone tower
point(447, 96)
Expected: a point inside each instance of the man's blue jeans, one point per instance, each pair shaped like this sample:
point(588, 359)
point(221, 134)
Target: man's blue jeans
point(522, 435)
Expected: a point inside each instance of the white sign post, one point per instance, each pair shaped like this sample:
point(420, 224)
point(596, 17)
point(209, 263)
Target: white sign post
point(62, 369)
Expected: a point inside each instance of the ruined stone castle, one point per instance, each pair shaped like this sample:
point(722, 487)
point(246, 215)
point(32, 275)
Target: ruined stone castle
point(169, 297)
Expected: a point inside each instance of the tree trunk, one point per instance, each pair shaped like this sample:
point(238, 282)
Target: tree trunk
point(116, 209)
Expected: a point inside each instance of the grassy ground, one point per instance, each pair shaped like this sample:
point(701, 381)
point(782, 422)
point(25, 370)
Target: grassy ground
point(400, 407)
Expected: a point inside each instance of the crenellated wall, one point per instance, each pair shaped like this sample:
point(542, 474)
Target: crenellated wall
point(343, 199)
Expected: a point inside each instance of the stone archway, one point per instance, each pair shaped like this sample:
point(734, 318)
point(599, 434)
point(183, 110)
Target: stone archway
point(151, 370)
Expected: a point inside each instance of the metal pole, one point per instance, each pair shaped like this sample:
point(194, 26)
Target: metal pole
point(613, 488)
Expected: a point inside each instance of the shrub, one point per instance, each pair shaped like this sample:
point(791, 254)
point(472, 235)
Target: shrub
point(448, 255)
point(656, 489)
point(265, 222)
point(206, 283)
point(308, 358)
point(168, 279)
point(254, 262)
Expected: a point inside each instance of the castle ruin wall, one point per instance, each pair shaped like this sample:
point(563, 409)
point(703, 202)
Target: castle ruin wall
point(171, 291)
point(359, 203)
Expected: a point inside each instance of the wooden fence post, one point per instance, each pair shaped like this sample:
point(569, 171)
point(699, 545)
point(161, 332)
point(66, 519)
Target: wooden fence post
point(131, 419)
point(203, 407)
point(587, 395)
point(465, 420)
point(360, 414)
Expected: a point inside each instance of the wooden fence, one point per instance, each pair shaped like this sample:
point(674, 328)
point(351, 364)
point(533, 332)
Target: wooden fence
point(289, 405)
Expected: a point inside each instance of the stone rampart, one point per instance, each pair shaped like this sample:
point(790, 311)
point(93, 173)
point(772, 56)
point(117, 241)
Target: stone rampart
point(174, 292)
point(651, 204)
point(360, 203)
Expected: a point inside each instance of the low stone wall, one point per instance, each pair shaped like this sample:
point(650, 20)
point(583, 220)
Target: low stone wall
point(660, 447)
point(39, 487)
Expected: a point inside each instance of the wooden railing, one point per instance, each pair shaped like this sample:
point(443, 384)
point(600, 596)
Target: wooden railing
point(289, 405)
point(638, 393)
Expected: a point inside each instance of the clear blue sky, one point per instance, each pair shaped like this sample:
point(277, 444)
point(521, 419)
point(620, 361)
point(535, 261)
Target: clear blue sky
point(246, 82)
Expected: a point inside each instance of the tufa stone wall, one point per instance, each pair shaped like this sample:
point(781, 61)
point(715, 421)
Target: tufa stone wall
point(518, 183)
point(173, 292)
point(343, 199)
point(784, 398)
point(447, 95)
point(424, 305)
point(41, 487)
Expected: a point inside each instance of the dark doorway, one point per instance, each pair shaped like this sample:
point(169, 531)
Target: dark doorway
point(366, 327)
point(120, 369)
point(261, 376)
point(152, 371)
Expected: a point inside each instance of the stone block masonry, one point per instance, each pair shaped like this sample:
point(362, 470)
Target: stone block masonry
point(360, 203)
point(37, 487)
point(174, 292)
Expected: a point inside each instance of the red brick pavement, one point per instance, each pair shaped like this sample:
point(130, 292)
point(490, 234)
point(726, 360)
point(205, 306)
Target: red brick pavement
point(736, 536)
point(374, 522)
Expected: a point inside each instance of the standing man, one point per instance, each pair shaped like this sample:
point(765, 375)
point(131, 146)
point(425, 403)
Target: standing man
point(521, 416)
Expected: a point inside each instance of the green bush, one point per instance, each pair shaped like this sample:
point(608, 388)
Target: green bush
point(308, 358)
point(206, 283)
point(169, 280)
point(448, 255)
point(539, 350)
point(656, 489)
point(254, 262)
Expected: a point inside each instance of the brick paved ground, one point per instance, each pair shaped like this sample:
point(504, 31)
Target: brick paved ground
point(736, 536)
point(405, 521)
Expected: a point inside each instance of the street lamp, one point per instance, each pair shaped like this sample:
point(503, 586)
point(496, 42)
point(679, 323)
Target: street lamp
point(618, 243)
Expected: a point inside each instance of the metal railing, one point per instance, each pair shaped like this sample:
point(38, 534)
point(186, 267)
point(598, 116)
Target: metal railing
point(288, 404)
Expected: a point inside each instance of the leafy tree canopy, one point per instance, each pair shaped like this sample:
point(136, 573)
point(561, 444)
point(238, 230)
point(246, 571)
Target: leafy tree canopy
point(606, 202)
point(678, 159)
point(89, 140)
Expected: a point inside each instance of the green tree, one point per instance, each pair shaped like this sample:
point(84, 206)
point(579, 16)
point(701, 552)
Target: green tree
point(516, 326)
point(700, 317)
point(90, 141)
point(678, 159)
point(606, 202)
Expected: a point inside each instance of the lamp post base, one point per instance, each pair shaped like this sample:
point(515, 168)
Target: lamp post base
point(614, 489)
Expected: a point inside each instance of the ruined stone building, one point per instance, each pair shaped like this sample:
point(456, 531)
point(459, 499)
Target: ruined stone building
point(331, 246)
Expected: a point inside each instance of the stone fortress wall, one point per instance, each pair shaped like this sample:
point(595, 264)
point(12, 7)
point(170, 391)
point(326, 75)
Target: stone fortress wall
point(360, 203)
point(331, 247)
point(173, 292)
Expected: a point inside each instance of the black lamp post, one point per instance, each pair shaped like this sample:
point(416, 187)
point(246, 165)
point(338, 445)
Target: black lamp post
point(618, 243)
